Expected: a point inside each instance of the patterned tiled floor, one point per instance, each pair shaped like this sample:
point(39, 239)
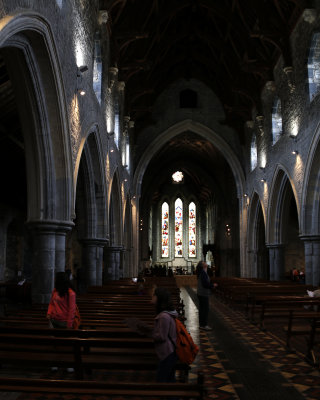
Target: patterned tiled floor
point(239, 361)
point(265, 370)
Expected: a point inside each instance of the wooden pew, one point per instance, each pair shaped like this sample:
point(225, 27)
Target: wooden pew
point(127, 389)
point(276, 306)
point(305, 324)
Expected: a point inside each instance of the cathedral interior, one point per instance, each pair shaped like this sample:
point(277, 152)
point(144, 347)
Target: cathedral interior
point(138, 134)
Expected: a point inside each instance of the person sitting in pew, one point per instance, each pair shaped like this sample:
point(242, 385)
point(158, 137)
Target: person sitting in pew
point(62, 306)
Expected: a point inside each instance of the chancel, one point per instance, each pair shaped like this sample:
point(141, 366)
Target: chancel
point(141, 143)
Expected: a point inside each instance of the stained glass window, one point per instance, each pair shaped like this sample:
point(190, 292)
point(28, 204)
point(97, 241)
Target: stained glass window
point(276, 121)
point(192, 230)
point(314, 66)
point(97, 69)
point(177, 177)
point(178, 228)
point(165, 230)
point(254, 153)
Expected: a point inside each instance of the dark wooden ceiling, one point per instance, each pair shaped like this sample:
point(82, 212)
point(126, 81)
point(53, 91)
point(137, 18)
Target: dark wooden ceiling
point(230, 45)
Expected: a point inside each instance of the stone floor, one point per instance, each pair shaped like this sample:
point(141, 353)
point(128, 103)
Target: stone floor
point(239, 361)
point(242, 362)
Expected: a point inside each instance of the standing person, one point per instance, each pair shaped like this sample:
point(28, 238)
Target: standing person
point(164, 334)
point(62, 306)
point(203, 293)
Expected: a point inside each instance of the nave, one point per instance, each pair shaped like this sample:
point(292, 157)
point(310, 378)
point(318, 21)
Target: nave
point(239, 361)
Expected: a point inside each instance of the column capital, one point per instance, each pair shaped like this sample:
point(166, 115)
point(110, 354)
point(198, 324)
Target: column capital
point(50, 225)
point(114, 248)
point(94, 241)
point(275, 245)
point(310, 238)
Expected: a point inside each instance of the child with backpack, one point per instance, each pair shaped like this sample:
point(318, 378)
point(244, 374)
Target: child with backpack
point(172, 340)
point(164, 335)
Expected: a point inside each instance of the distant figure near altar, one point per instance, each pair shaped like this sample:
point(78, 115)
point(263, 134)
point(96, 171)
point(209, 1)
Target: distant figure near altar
point(209, 258)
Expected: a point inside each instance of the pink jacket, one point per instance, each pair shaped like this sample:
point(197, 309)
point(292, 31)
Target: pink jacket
point(164, 329)
point(62, 308)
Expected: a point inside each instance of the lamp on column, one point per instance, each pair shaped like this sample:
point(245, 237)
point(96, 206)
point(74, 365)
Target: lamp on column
point(80, 71)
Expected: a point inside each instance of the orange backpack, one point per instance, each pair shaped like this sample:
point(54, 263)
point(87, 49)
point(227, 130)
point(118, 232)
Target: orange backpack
point(186, 349)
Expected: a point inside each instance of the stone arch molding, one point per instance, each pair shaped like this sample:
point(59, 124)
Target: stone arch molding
point(90, 152)
point(252, 239)
point(280, 187)
point(115, 211)
point(201, 130)
point(310, 217)
point(27, 37)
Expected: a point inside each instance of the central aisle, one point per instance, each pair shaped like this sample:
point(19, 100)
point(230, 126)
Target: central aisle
point(241, 362)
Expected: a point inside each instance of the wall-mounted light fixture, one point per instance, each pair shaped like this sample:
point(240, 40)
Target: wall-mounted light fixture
point(111, 150)
point(260, 123)
point(80, 71)
point(295, 152)
point(289, 74)
point(262, 180)
point(228, 230)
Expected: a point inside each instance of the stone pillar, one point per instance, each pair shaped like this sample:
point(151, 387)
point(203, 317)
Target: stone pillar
point(312, 259)
point(48, 247)
point(113, 262)
point(92, 251)
point(60, 254)
point(276, 260)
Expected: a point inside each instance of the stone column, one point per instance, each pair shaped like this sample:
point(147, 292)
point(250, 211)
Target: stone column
point(60, 258)
point(48, 246)
point(92, 251)
point(312, 259)
point(276, 260)
point(112, 263)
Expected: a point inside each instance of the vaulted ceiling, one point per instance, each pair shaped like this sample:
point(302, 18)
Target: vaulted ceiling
point(230, 45)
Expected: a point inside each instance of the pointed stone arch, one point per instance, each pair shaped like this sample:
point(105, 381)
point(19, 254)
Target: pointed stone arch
point(128, 270)
point(283, 227)
point(113, 253)
point(27, 43)
point(30, 54)
point(91, 221)
point(258, 267)
point(214, 138)
point(310, 217)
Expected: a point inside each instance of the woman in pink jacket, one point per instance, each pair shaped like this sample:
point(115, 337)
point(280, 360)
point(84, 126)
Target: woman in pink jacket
point(62, 306)
point(164, 335)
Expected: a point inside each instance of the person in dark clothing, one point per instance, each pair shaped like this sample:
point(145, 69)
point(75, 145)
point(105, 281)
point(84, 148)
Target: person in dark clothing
point(203, 292)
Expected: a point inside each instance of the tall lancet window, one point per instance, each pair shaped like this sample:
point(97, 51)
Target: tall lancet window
point(276, 121)
point(97, 68)
point(192, 230)
point(254, 152)
point(314, 66)
point(178, 228)
point(165, 230)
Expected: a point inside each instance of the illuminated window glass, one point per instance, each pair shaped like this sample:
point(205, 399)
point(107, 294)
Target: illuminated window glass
point(177, 177)
point(116, 129)
point(276, 121)
point(254, 153)
point(165, 230)
point(178, 228)
point(97, 69)
point(192, 230)
point(314, 66)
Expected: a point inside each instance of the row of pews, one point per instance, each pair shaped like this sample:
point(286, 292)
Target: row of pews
point(104, 343)
point(271, 304)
